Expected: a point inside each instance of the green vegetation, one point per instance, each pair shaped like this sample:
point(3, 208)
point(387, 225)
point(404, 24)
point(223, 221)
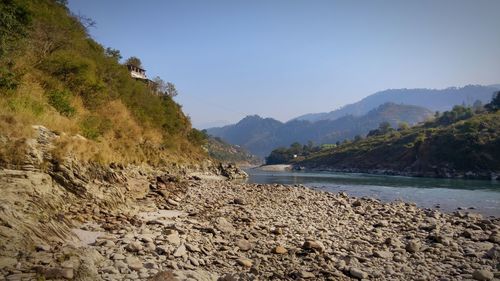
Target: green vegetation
point(53, 74)
point(456, 114)
point(296, 151)
point(135, 61)
point(227, 153)
point(494, 105)
point(60, 100)
point(383, 128)
point(462, 141)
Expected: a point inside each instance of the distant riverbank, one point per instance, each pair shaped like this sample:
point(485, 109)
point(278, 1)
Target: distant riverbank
point(275, 168)
point(436, 173)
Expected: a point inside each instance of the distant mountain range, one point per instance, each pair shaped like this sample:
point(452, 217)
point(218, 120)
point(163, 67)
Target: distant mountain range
point(435, 100)
point(261, 135)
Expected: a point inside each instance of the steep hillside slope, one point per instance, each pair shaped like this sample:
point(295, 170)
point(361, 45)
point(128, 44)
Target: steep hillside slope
point(260, 136)
point(228, 153)
point(53, 74)
point(450, 146)
point(435, 100)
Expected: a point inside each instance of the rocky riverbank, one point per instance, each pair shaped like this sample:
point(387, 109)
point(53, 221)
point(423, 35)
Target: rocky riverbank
point(186, 228)
point(437, 172)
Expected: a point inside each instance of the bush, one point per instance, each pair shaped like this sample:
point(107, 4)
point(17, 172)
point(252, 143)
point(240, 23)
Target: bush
point(8, 79)
point(75, 71)
point(60, 100)
point(494, 105)
point(94, 126)
point(14, 19)
point(197, 137)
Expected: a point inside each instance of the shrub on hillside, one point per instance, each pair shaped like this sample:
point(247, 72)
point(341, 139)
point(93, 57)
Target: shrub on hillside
point(60, 100)
point(197, 137)
point(94, 126)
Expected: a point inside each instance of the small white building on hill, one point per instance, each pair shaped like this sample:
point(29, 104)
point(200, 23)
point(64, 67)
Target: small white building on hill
point(137, 72)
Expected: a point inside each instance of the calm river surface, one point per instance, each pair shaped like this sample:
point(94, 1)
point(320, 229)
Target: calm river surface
point(445, 194)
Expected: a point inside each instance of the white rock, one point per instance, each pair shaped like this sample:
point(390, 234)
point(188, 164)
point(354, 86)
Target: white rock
point(181, 251)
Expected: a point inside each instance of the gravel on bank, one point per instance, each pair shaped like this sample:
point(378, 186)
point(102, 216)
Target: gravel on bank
point(223, 230)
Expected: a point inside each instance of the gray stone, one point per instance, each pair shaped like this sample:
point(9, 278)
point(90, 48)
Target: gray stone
point(134, 246)
point(6, 262)
point(383, 254)
point(244, 245)
point(313, 245)
point(244, 262)
point(58, 273)
point(43, 248)
point(118, 256)
point(306, 274)
point(172, 202)
point(193, 248)
point(134, 263)
point(239, 201)
point(110, 270)
point(382, 223)
point(181, 251)
point(358, 273)
point(483, 275)
point(173, 238)
point(120, 264)
point(147, 239)
point(223, 225)
point(279, 250)
point(413, 246)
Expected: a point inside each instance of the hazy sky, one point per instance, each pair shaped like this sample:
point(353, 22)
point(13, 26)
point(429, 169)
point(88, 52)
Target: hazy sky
point(285, 58)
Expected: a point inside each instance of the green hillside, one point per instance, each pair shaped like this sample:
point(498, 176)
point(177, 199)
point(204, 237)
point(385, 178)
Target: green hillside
point(53, 74)
point(228, 153)
point(461, 142)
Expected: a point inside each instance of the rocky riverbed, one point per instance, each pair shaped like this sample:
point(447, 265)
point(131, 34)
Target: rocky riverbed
point(194, 229)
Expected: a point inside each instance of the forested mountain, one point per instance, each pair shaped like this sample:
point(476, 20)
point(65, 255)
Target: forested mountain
point(462, 142)
point(260, 136)
point(435, 100)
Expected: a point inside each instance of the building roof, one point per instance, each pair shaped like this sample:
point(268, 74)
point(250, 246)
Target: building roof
point(131, 65)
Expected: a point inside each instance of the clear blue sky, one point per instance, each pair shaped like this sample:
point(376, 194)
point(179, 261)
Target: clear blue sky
point(284, 58)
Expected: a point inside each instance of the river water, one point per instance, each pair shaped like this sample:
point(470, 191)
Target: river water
point(448, 195)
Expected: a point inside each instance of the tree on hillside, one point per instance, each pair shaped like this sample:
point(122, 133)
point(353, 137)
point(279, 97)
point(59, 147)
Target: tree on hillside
point(383, 128)
point(135, 61)
point(14, 25)
point(477, 106)
point(494, 105)
point(113, 53)
point(164, 88)
point(403, 126)
point(456, 114)
point(170, 90)
point(279, 156)
point(62, 2)
point(160, 86)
